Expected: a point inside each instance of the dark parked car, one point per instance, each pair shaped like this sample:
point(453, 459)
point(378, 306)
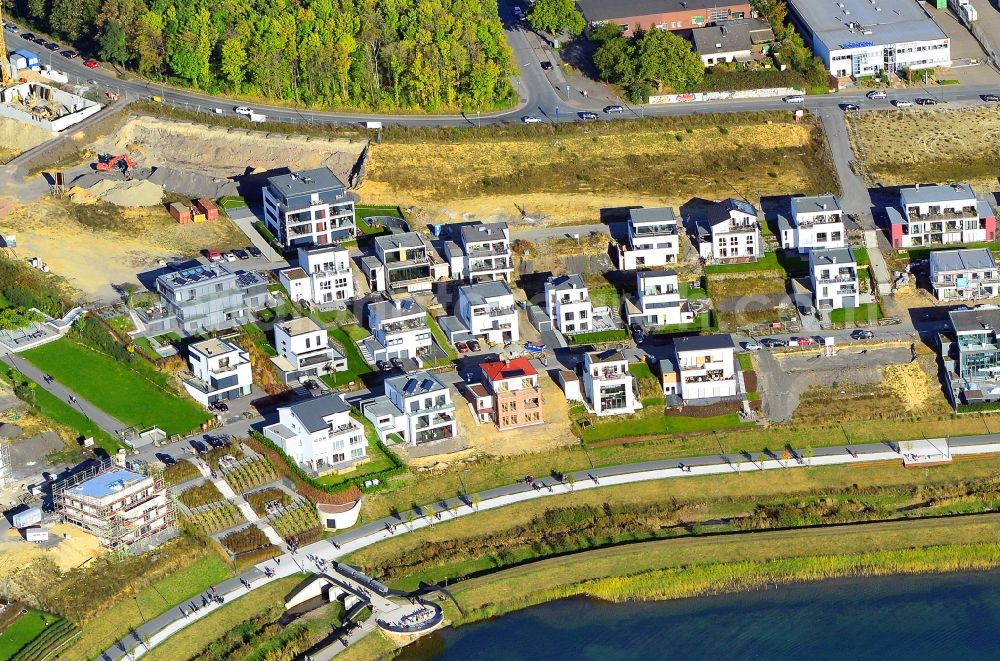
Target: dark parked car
point(241, 254)
point(216, 441)
point(635, 327)
point(862, 334)
point(52, 46)
point(254, 250)
point(546, 66)
point(611, 110)
point(310, 384)
point(474, 345)
point(773, 342)
point(587, 115)
point(848, 107)
point(199, 447)
point(222, 407)
point(70, 54)
point(30, 36)
point(397, 363)
point(383, 366)
point(639, 337)
point(166, 458)
point(991, 97)
point(927, 102)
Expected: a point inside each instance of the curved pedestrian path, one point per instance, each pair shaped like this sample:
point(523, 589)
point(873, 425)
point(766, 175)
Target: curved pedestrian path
point(159, 629)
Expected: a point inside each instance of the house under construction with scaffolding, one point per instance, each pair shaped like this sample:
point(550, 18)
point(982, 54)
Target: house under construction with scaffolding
point(122, 505)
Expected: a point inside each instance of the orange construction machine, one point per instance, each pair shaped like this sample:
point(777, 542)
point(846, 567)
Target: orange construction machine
point(107, 163)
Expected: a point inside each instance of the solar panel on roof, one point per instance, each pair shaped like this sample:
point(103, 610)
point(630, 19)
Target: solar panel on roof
point(427, 384)
point(410, 386)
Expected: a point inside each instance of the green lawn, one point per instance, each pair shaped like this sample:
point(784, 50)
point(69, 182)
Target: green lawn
point(640, 370)
point(652, 422)
point(866, 312)
point(136, 394)
point(62, 413)
point(861, 256)
point(792, 265)
point(441, 339)
point(363, 210)
point(122, 324)
point(24, 630)
point(378, 461)
point(142, 343)
point(703, 322)
point(231, 202)
point(689, 292)
point(605, 297)
point(745, 360)
point(356, 365)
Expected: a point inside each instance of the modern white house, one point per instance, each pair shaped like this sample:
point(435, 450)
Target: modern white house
point(323, 276)
point(567, 302)
point(417, 407)
point(817, 221)
point(479, 252)
point(964, 275)
point(220, 371)
point(487, 311)
point(940, 215)
point(658, 300)
point(304, 350)
point(703, 368)
point(608, 386)
point(399, 329)
point(834, 275)
point(730, 232)
point(308, 208)
point(402, 262)
point(652, 241)
point(319, 434)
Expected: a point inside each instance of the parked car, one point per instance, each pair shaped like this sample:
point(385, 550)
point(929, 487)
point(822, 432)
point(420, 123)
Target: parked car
point(639, 337)
point(310, 384)
point(91, 63)
point(95, 83)
point(773, 342)
point(751, 346)
point(612, 110)
point(242, 110)
point(397, 363)
point(474, 345)
point(927, 101)
point(546, 66)
point(991, 97)
point(30, 36)
point(199, 447)
point(254, 250)
point(806, 309)
point(217, 441)
point(166, 458)
point(218, 111)
point(382, 366)
point(850, 107)
point(587, 115)
point(635, 327)
point(230, 257)
point(795, 98)
point(902, 103)
point(876, 94)
point(52, 46)
point(212, 255)
point(221, 407)
point(462, 347)
point(10, 28)
point(70, 54)
point(803, 341)
point(862, 334)
point(528, 119)
point(241, 254)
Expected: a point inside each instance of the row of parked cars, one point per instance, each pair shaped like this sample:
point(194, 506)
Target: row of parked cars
point(239, 253)
point(801, 341)
point(68, 53)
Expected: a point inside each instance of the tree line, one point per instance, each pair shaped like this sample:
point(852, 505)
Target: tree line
point(429, 54)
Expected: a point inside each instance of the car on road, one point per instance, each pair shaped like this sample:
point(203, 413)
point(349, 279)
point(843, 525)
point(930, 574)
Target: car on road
point(241, 254)
point(587, 115)
point(635, 327)
point(850, 107)
point(862, 334)
point(546, 66)
point(91, 63)
point(218, 111)
point(10, 28)
point(902, 103)
point(991, 97)
point(751, 346)
point(199, 447)
point(639, 337)
point(795, 98)
point(474, 345)
point(53, 46)
point(926, 101)
point(397, 363)
point(254, 251)
point(70, 54)
point(95, 83)
point(30, 36)
point(803, 341)
point(165, 458)
point(614, 110)
point(462, 347)
point(242, 110)
point(382, 366)
point(773, 343)
point(876, 94)
point(230, 257)
point(217, 441)
point(528, 119)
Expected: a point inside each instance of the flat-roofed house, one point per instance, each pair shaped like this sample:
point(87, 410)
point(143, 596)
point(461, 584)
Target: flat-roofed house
point(964, 275)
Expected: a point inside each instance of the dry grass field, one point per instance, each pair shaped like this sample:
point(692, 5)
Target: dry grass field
point(568, 173)
point(907, 146)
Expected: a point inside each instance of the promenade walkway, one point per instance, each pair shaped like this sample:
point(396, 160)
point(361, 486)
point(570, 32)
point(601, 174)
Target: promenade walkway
point(159, 629)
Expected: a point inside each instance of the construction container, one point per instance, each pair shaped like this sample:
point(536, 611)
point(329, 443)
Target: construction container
point(198, 217)
point(207, 207)
point(28, 517)
point(181, 213)
point(36, 534)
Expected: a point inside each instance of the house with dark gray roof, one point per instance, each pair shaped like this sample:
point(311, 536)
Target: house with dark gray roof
point(652, 241)
point(416, 406)
point(970, 353)
point(308, 208)
point(940, 215)
point(731, 41)
point(319, 434)
point(402, 261)
point(730, 232)
point(485, 310)
point(816, 221)
point(834, 275)
point(964, 275)
point(702, 370)
point(567, 302)
point(399, 330)
point(479, 252)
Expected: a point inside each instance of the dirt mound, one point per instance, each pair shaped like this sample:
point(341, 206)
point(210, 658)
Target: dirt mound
point(222, 153)
point(17, 137)
point(909, 383)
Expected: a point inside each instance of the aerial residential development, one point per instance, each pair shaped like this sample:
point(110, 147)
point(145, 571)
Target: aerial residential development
point(329, 331)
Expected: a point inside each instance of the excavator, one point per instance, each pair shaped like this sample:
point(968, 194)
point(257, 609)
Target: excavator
point(107, 163)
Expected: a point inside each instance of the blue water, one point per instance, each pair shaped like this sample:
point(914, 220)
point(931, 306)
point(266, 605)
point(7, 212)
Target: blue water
point(950, 616)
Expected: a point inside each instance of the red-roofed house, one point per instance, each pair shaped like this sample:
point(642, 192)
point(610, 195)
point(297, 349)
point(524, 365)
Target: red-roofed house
point(508, 395)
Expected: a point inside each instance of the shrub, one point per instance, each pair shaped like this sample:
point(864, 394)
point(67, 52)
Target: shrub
point(258, 499)
point(180, 472)
point(220, 516)
point(249, 475)
point(244, 540)
point(203, 494)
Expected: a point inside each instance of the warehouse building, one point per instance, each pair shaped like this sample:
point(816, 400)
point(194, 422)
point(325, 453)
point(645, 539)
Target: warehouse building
point(673, 15)
point(857, 38)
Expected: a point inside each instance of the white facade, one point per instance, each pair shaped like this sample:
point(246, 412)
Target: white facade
point(964, 275)
point(319, 433)
point(658, 301)
point(567, 302)
point(416, 406)
point(730, 233)
point(402, 262)
point(306, 348)
point(834, 275)
point(322, 276)
point(816, 222)
point(940, 215)
point(608, 386)
point(221, 371)
point(480, 252)
point(652, 239)
point(308, 208)
point(399, 328)
point(705, 369)
point(487, 309)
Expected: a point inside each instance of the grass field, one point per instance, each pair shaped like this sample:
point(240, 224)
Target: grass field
point(865, 312)
point(136, 396)
point(24, 630)
point(652, 422)
point(356, 365)
point(102, 631)
point(605, 297)
point(62, 413)
point(771, 261)
point(188, 642)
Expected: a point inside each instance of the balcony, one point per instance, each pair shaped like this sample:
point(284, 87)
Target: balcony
point(501, 312)
point(403, 326)
point(663, 229)
point(498, 249)
point(659, 291)
point(319, 358)
point(819, 220)
point(610, 373)
point(567, 300)
point(840, 278)
point(435, 421)
point(951, 214)
point(482, 267)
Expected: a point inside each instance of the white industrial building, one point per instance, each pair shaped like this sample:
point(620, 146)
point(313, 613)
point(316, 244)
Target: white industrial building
point(856, 38)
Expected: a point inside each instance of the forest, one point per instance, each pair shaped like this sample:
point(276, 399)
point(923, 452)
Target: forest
point(365, 54)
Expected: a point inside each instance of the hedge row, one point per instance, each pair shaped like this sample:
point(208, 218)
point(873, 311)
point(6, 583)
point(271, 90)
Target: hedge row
point(980, 407)
point(599, 337)
point(47, 641)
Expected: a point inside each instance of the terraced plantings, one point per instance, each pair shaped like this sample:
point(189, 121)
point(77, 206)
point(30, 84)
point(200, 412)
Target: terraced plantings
point(25, 631)
point(245, 540)
point(53, 638)
point(180, 472)
point(259, 499)
point(215, 455)
point(203, 494)
point(299, 519)
point(250, 475)
point(213, 518)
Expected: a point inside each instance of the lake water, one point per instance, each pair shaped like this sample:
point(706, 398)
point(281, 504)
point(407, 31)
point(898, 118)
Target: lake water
point(950, 616)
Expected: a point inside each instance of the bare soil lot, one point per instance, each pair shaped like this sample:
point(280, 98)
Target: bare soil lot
point(17, 137)
point(906, 146)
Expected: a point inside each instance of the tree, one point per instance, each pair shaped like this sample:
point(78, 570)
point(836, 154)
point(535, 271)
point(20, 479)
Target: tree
point(234, 62)
point(615, 60)
point(668, 60)
point(15, 318)
point(556, 15)
point(114, 46)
